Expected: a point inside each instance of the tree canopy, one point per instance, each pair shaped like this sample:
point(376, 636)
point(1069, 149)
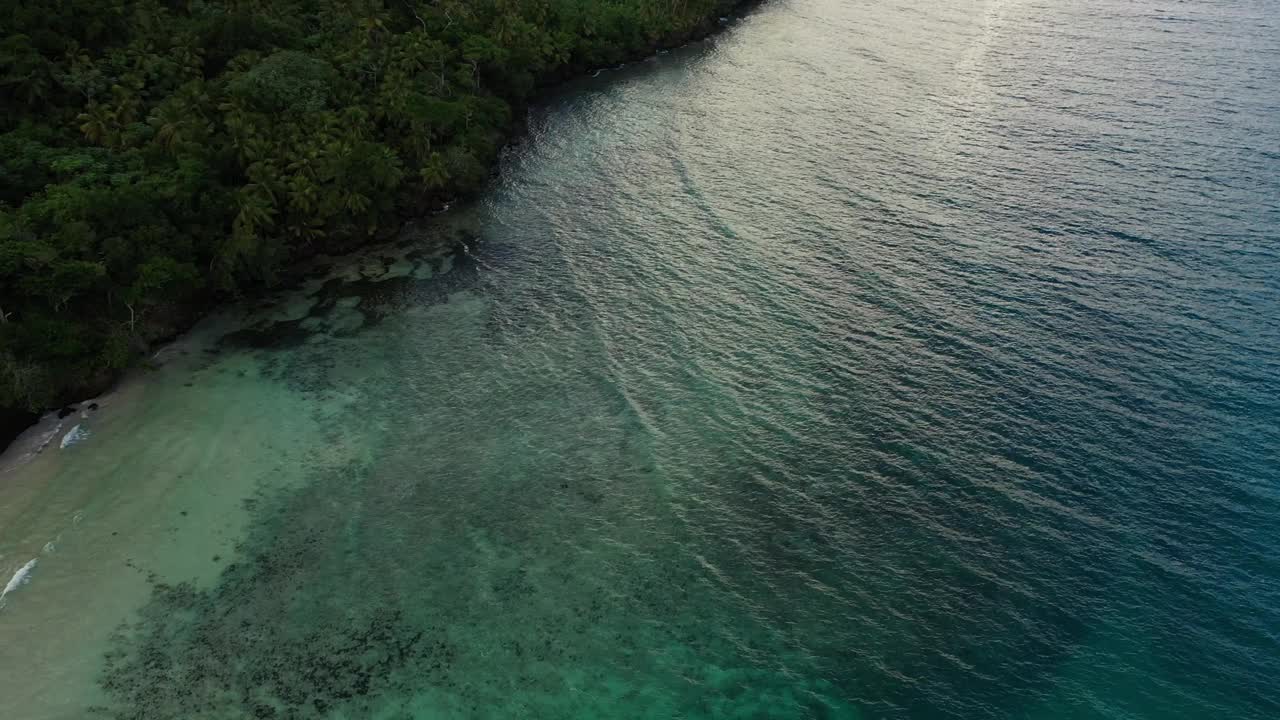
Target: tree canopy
point(160, 154)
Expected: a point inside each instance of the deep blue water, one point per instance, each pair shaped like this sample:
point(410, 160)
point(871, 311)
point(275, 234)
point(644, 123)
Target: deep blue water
point(900, 359)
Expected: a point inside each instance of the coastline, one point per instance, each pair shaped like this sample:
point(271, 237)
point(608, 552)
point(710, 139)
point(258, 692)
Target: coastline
point(15, 421)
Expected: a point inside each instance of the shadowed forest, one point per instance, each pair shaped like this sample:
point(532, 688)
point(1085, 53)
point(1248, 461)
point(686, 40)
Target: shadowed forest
point(160, 156)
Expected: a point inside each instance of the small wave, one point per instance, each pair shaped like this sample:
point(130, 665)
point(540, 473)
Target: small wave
point(73, 436)
point(20, 578)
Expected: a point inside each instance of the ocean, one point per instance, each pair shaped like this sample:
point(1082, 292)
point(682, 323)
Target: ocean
point(868, 360)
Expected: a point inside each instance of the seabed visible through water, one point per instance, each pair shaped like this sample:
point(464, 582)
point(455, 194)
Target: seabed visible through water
point(870, 360)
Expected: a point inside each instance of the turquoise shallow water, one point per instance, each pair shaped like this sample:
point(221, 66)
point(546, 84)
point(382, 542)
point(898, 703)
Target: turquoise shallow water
point(873, 360)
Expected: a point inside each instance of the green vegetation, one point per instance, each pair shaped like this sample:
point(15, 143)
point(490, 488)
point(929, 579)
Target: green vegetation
point(161, 154)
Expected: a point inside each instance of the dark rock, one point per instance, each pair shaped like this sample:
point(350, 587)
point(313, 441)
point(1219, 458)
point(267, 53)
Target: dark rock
point(13, 423)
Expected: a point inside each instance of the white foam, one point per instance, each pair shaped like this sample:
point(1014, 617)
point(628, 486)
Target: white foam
point(22, 577)
point(73, 436)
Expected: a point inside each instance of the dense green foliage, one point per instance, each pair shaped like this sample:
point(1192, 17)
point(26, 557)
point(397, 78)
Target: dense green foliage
point(159, 154)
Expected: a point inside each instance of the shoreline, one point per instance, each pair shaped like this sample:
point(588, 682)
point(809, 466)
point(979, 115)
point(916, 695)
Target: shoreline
point(15, 422)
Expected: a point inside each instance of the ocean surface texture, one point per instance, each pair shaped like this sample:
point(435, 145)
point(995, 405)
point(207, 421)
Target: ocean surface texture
point(892, 359)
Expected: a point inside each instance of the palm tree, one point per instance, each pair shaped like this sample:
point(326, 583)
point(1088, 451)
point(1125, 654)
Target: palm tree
point(98, 123)
point(170, 121)
point(256, 210)
point(434, 174)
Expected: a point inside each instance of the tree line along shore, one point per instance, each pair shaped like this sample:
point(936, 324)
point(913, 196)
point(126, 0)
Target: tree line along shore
point(162, 156)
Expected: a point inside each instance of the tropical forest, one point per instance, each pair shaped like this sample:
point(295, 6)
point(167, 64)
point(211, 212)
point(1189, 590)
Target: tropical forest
point(161, 156)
